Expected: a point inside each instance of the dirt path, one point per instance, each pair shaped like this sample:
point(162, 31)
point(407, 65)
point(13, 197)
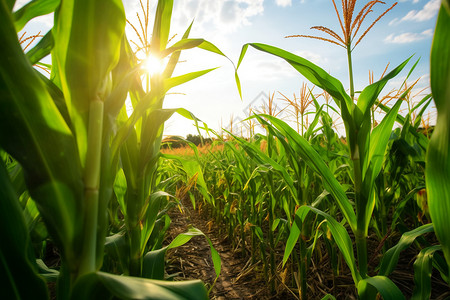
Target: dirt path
point(193, 260)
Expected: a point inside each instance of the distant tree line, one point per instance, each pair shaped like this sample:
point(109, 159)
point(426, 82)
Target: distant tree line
point(178, 142)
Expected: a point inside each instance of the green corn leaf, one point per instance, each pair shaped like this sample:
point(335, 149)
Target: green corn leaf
point(120, 189)
point(175, 81)
point(193, 169)
point(421, 139)
point(17, 274)
point(154, 264)
point(149, 214)
point(42, 49)
point(313, 159)
point(310, 130)
point(387, 289)
point(313, 73)
point(161, 26)
point(422, 273)
point(340, 236)
point(33, 9)
point(116, 248)
point(370, 94)
point(427, 100)
point(438, 155)
point(183, 44)
point(154, 260)
point(294, 234)
point(261, 158)
point(373, 162)
point(40, 140)
point(147, 102)
point(88, 35)
point(390, 258)
point(102, 285)
point(173, 60)
point(10, 4)
point(50, 275)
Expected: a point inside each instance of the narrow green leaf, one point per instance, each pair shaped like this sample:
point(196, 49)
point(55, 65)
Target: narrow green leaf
point(40, 140)
point(340, 236)
point(422, 273)
point(161, 26)
point(154, 264)
point(370, 94)
point(18, 277)
point(42, 49)
point(175, 81)
point(390, 258)
point(262, 158)
point(313, 159)
point(102, 285)
point(438, 156)
point(183, 238)
point(33, 9)
point(387, 289)
point(310, 130)
point(313, 73)
point(88, 35)
point(378, 141)
point(294, 234)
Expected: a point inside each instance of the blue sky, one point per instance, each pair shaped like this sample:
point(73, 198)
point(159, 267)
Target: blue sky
point(406, 30)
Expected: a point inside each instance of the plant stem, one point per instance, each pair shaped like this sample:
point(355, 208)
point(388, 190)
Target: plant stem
point(91, 183)
point(350, 71)
point(303, 268)
point(136, 203)
point(360, 232)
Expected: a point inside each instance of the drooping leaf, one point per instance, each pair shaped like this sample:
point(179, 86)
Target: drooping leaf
point(390, 258)
point(438, 155)
point(161, 26)
point(422, 273)
point(42, 49)
point(387, 289)
point(102, 285)
point(88, 35)
point(33, 9)
point(17, 274)
point(338, 231)
point(33, 131)
point(313, 159)
point(312, 72)
point(154, 260)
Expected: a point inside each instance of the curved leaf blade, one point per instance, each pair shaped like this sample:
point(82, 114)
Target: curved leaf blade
point(387, 289)
point(438, 156)
point(390, 258)
point(102, 285)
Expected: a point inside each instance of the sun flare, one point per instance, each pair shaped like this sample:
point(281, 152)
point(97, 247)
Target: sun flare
point(153, 65)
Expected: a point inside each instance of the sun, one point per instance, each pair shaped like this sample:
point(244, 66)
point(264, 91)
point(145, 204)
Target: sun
point(153, 65)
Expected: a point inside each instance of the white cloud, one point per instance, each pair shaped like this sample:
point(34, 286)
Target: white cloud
point(284, 3)
point(226, 16)
point(426, 13)
point(408, 37)
point(313, 57)
point(19, 3)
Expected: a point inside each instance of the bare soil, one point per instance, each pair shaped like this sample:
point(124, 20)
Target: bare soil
point(241, 280)
point(237, 280)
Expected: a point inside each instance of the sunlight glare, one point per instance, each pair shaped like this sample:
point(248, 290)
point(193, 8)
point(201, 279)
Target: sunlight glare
point(153, 65)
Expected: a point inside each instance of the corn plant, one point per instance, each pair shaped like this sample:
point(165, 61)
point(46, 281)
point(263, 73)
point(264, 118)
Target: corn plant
point(437, 171)
point(366, 150)
point(71, 137)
